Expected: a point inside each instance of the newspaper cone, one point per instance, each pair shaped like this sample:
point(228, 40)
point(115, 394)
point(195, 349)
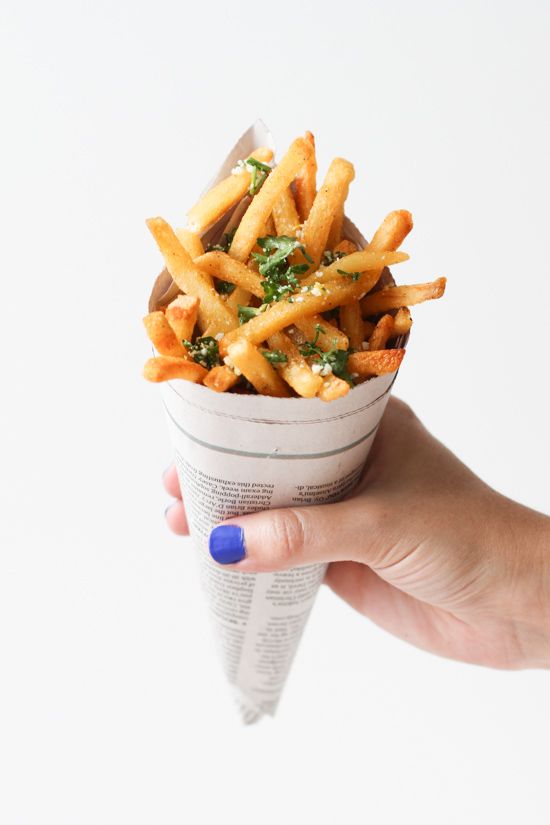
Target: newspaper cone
point(237, 454)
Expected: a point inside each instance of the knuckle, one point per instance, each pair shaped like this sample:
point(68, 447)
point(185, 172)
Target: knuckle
point(288, 537)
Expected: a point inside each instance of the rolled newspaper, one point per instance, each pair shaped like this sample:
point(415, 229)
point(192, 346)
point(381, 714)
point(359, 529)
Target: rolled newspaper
point(239, 453)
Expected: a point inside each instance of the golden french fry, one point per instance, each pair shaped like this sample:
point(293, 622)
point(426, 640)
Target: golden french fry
point(256, 369)
point(213, 312)
point(223, 266)
point(368, 328)
point(329, 335)
point(305, 184)
point(284, 313)
point(345, 246)
point(162, 335)
point(380, 362)
point(328, 201)
point(296, 371)
point(381, 334)
point(393, 230)
point(285, 215)
point(393, 297)
point(224, 195)
point(352, 324)
point(255, 217)
point(365, 259)
point(402, 322)
point(181, 314)
point(269, 228)
point(239, 298)
point(220, 379)
point(166, 368)
point(191, 242)
point(335, 233)
point(333, 388)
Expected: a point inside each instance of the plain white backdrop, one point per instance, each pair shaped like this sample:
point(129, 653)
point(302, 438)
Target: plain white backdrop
point(112, 706)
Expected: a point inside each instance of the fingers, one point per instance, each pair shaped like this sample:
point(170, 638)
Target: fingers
point(176, 518)
point(171, 483)
point(280, 539)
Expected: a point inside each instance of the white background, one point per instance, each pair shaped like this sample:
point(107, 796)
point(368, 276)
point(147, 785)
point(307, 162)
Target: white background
point(112, 707)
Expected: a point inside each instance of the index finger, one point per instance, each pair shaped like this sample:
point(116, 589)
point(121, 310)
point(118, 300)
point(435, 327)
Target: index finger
point(171, 482)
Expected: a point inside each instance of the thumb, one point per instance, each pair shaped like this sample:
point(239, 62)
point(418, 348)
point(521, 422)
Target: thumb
point(278, 539)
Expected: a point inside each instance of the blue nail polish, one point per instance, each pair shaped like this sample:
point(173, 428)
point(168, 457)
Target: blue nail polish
point(226, 544)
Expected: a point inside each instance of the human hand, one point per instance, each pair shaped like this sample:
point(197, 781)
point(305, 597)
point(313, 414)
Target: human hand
point(423, 548)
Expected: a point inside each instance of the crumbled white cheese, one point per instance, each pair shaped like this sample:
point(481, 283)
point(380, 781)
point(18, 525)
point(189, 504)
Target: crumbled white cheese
point(299, 299)
point(219, 336)
point(354, 375)
point(237, 371)
point(299, 233)
point(304, 289)
point(193, 227)
point(316, 368)
point(327, 369)
point(317, 289)
point(240, 166)
point(365, 345)
point(319, 273)
point(228, 362)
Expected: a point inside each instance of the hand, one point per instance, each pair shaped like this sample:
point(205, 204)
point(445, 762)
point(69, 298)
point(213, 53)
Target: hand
point(423, 548)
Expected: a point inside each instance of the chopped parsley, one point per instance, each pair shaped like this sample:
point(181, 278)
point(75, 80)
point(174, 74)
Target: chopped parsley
point(333, 361)
point(280, 279)
point(224, 244)
point(275, 356)
point(246, 313)
point(353, 275)
point(260, 171)
point(204, 351)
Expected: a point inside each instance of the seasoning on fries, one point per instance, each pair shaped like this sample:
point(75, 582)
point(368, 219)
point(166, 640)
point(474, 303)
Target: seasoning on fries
point(279, 301)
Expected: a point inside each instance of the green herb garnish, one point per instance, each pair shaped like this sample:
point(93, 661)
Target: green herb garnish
point(246, 313)
point(353, 275)
point(335, 360)
point(224, 287)
point(279, 276)
point(275, 356)
point(329, 257)
point(260, 171)
point(204, 351)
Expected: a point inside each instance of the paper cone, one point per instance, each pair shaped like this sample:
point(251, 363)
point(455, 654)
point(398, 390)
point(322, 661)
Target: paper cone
point(237, 454)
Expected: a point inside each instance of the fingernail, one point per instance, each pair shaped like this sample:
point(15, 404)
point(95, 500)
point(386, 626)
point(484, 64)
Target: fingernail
point(226, 544)
point(173, 504)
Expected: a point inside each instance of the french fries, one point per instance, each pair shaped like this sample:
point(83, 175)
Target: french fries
point(381, 334)
point(163, 336)
point(295, 370)
point(256, 369)
point(181, 314)
point(305, 183)
point(213, 313)
point(281, 302)
point(167, 368)
point(393, 297)
point(255, 217)
point(366, 364)
point(328, 201)
point(224, 195)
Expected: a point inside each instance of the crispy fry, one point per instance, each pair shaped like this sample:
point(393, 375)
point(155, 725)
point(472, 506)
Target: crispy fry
point(256, 369)
point(380, 362)
point(393, 297)
point(220, 379)
point(362, 261)
point(333, 388)
point(393, 230)
point(381, 334)
point(256, 215)
point(239, 298)
point(181, 314)
point(335, 233)
point(286, 312)
point(352, 324)
point(162, 335)
point(213, 312)
point(305, 184)
point(191, 242)
point(345, 246)
point(285, 215)
point(329, 335)
point(328, 201)
point(402, 322)
point(368, 328)
point(223, 266)
point(224, 195)
point(296, 371)
point(166, 368)
point(269, 228)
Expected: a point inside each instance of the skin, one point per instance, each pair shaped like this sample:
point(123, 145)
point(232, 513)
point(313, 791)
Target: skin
point(423, 548)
